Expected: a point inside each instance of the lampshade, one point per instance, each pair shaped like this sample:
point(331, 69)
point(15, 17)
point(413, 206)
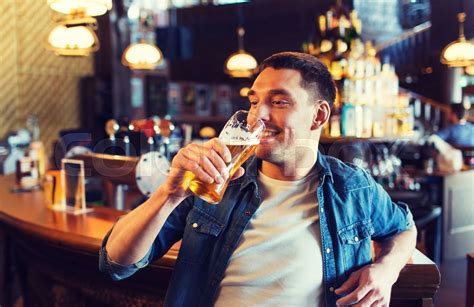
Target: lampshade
point(240, 64)
point(89, 7)
point(470, 70)
point(142, 56)
point(459, 53)
point(73, 40)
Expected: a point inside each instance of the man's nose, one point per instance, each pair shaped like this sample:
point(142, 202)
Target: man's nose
point(262, 111)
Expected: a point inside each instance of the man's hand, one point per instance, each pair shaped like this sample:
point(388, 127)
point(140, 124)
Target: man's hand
point(208, 162)
point(370, 286)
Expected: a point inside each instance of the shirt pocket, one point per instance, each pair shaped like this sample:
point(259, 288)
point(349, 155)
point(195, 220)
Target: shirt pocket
point(355, 241)
point(200, 234)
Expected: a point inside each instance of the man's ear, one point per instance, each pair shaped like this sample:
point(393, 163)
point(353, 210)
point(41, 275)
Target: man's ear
point(321, 115)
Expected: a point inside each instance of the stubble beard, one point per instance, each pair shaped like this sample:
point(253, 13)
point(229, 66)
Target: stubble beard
point(282, 155)
point(293, 158)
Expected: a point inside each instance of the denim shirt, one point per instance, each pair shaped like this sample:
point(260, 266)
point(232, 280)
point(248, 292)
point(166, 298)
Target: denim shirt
point(353, 210)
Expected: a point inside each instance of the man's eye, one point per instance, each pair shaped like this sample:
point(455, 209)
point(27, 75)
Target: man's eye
point(279, 102)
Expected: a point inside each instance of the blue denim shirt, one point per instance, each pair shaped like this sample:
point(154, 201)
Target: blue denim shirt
point(353, 210)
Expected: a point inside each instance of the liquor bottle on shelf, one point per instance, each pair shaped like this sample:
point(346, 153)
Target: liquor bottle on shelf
point(370, 104)
point(355, 30)
point(367, 121)
point(318, 41)
point(335, 119)
point(324, 44)
point(348, 119)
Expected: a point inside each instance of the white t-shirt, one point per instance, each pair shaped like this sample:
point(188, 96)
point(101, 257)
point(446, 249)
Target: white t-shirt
point(278, 261)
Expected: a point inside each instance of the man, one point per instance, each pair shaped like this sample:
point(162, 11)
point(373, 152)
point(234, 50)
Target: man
point(296, 230)
point(461, 132)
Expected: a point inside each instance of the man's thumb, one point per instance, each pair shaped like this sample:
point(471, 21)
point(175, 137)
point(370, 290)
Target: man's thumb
point(239, 173)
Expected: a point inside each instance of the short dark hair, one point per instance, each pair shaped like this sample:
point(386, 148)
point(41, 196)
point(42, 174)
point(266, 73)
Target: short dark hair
point(459, 110)
point(316, 77)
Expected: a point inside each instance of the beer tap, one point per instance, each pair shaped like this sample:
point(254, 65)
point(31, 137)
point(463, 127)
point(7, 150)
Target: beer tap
point(163, 127)
point(157, 133)
point(111, 128)
point(151, 144)
point(166, 128)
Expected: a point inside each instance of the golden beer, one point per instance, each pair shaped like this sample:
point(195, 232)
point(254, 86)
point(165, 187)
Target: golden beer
point(213, 192)
point(241, 134)
point(52, 188)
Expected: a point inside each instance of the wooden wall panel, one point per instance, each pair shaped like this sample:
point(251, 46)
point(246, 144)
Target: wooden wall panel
point(33, 80)
point(8, 69)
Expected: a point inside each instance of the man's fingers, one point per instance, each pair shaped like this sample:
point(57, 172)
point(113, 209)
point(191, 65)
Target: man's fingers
point(208, 161)
point(195, 168)
point(208, 152)
point(211, 154)
point(205, 162)
point(379, 303)
point(349, 284)
point(355, 296)
point(368, 300)
point(220, 148)
point(239, 173)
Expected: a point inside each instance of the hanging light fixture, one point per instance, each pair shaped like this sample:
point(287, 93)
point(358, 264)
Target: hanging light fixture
point(142, 56)
point(470, 70)
point(89, 7)
point(74, 37)
point(459, 53)
point(240, 64)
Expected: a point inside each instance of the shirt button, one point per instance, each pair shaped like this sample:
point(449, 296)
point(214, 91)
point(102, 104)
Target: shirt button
point(356, 239)
point(331, 289)
point(195, 225)
point(328, 250)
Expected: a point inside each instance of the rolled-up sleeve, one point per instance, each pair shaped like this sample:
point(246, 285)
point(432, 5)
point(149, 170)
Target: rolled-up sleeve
point(170, 233)
point(388, 218)
point(116, 270)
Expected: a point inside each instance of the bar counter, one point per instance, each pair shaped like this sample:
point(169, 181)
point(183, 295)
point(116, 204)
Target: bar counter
point(53, 256)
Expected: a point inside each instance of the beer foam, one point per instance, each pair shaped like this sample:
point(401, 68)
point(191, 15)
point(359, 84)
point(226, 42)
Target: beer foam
point(239, 137)
point(240, 143)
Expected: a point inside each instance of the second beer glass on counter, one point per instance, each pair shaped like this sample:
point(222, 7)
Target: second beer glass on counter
point(241, 135)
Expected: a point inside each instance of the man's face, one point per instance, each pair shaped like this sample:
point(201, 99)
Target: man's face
point(287, 110)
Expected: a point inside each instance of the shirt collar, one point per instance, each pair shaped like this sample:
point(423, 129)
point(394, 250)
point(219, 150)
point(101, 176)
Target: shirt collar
point(253, 164)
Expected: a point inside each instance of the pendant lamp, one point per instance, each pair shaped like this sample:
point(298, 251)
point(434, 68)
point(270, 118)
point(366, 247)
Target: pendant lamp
point(74, 37)
point(89, 7)
point(142, 56)
point(240, 64)
point(459, 53)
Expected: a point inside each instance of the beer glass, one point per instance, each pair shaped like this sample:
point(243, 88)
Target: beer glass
point(241, 134)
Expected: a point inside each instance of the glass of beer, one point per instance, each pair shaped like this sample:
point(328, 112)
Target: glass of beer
point(241, 134)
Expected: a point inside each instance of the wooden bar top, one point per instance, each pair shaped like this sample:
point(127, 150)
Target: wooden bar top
point(27, 211)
